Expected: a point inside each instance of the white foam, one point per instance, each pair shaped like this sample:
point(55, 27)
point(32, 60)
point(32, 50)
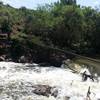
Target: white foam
point(16, 78)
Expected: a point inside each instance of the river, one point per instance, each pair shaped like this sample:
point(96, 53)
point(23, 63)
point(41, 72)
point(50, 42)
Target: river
point(16, 81)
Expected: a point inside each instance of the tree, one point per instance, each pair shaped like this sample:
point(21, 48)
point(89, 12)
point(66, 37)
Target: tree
point(1, 3)
point(68, 2)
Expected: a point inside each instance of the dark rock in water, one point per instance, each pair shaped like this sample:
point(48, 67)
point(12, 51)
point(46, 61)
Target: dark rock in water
point(66, 98)
point(22, 59)
point(44, 64)
point(54, 92)
point(44, 90)
point(9, 59)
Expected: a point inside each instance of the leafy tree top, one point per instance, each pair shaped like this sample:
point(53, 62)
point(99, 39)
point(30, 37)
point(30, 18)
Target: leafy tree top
point(68, 2)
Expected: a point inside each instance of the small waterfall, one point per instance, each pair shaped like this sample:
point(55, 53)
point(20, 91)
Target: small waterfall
point(17, 82)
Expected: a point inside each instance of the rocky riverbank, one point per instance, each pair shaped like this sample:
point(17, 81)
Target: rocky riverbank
point(35, 53)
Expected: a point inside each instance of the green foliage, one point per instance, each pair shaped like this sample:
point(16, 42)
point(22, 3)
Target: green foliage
point(62, 24)
point(68, 2)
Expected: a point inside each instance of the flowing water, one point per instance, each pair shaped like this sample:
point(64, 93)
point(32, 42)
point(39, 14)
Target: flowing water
point(17, 81)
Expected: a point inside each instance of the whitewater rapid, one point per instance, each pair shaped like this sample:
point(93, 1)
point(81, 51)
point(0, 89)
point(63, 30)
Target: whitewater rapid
point(16, 81)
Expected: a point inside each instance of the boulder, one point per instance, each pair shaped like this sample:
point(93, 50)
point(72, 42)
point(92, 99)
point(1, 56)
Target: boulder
point(45, 90)
point(22, 59)
point(54, 92)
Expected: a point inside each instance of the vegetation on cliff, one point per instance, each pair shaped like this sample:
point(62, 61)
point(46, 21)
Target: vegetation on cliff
point(63, 24)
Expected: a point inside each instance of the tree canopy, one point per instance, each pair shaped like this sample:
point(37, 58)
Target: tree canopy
point(68, 2)
point(63, 24)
